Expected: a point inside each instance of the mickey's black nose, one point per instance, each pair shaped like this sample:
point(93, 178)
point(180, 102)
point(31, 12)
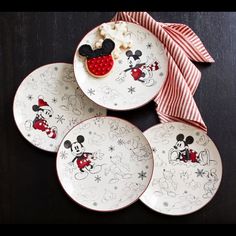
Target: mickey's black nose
point(175, 147)
point(50, 116)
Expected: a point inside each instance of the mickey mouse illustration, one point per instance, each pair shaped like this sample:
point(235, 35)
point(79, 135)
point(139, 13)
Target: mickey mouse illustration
point(166, 184)
point(182, 152)
point(210, 185)
point(183, 147)
point(43, 113)
point(84, 160)
point(118, 169)
point(140, 71)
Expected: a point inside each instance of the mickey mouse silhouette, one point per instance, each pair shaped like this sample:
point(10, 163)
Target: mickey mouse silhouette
point(140, 71)
point(84, 160)
point(181, 152)
point(99, 61)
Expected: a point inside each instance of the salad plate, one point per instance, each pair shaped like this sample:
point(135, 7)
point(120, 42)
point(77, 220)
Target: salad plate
point(48, 103)
point(105, 164)
point(120, 65)
point(187, 170)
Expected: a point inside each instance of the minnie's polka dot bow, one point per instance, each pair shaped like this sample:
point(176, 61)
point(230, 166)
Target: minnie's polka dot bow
point(175, 101)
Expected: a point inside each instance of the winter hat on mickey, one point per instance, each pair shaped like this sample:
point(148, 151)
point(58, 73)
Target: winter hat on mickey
point(42, 104)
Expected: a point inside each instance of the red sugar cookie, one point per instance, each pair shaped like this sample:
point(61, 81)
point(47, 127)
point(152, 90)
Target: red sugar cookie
point(99, 62)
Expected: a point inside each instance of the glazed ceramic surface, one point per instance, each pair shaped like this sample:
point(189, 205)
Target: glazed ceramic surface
point(105, 164)
point(123, 89)
point(49, 103)
point(187, 172)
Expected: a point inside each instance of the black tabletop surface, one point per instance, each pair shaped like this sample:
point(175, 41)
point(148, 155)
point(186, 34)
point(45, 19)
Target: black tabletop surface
point(29, 187)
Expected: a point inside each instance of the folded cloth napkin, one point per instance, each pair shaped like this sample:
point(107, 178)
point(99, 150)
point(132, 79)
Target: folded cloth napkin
point(175, 100)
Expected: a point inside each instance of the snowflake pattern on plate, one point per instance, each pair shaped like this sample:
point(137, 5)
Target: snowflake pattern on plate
point(49, 103)
point(140, 71)
point(131, 90)
point(109, 164)
point(142, 175)
point(187, 173)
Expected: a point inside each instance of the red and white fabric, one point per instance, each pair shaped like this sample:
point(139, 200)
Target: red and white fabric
point(175, 101)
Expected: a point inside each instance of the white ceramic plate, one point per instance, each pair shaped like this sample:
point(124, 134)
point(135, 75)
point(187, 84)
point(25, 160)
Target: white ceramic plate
point(49, 103)
point(105, 164)
point(187, 171)
point(119, 90)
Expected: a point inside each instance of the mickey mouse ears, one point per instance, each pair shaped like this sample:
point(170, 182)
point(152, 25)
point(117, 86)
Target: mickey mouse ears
point(135, 55)
point(188, 140)
point(107, 47)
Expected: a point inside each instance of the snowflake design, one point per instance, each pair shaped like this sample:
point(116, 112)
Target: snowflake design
point(98, 179)
point(161, 74)
point(56, 69)
point(91, 92)
point(120, 62)
point(66, 88)
point(149, 45)
point(120, 142)
point(28, 135)
point(60, 119)
point(142, 175)
point(54, 100)
point(30, 97)
point(111, 149)
point(131, 90)
point(163, 151)
point(200, 173)
point(63, 155)
point(51, 145)
point(147, 167)
point(91, 110)
point(95, 204)
point(197, 134)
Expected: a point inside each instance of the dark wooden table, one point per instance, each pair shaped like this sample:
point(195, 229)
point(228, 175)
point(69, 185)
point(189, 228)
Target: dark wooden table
point(29, 188)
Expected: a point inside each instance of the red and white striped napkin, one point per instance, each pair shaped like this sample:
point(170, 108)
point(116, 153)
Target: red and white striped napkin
point(175, 101)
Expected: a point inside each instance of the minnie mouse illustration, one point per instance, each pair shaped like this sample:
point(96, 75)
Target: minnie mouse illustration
point(43, 113)
point(138, 70)
point(182, 153)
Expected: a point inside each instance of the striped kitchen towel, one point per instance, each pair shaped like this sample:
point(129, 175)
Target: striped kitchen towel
point(175, 101)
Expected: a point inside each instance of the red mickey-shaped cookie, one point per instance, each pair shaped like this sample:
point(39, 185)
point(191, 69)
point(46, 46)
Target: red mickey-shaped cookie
point(100, 61)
